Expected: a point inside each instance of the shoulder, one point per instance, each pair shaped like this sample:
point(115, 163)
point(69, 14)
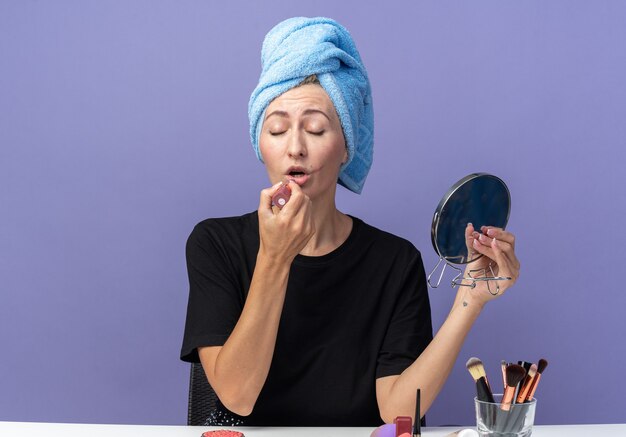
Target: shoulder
point(214, 231)
point(384, 240)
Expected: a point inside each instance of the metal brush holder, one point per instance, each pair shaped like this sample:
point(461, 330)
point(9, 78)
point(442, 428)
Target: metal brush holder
point(481, 199)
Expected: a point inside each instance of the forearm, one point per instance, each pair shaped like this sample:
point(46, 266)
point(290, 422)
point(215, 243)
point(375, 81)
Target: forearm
point(242, 364)
point(431, 369)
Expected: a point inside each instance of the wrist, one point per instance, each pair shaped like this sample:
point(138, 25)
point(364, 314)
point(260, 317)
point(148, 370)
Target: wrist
point(270, 278)
point(470, 301)
point(272, 262)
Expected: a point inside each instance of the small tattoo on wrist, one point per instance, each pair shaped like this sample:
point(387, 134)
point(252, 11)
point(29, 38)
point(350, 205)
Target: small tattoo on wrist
point(464, 303)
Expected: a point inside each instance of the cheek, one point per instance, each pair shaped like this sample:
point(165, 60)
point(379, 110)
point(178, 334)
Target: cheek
point(265, 144)
point(269, 155)
point(265, 149)
point(340, 152)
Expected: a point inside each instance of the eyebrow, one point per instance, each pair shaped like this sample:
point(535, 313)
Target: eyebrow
point(305, 112)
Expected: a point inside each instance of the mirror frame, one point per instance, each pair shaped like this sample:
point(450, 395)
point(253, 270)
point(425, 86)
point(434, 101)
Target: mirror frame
point(451, 192)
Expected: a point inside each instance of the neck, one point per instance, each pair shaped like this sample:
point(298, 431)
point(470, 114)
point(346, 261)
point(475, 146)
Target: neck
point(332, 228)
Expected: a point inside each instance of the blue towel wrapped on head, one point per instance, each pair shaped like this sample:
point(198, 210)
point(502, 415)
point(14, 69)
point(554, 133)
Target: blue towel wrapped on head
point(300, 47)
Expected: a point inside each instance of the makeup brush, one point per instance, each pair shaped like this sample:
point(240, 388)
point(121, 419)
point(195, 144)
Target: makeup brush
point(525, 387)
point(514, 374)
point(526, 365)
point(541, 366)
point(476, 369)
point(503, 365)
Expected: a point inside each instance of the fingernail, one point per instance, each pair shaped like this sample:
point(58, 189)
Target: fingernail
point(494, 243)
point(490, 232)
point(475, 234)
point(482, 237)
point(469, 224)
point(475, 243)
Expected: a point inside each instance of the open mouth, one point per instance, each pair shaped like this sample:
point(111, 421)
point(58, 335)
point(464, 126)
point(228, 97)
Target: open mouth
point(296, 172)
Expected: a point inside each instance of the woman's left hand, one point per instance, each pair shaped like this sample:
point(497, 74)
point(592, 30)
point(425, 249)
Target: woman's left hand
point(498, 249)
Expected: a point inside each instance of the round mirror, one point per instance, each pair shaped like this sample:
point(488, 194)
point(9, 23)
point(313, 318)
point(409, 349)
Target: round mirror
point(481, 199)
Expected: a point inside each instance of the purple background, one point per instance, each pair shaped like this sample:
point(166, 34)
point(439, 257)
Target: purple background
point(122, 124)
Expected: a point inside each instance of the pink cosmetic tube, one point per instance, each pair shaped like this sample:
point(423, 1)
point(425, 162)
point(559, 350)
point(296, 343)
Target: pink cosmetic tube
point(282, 195)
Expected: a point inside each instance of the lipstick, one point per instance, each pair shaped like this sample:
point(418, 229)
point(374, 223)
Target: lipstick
point(403, 426)
point(282, 194)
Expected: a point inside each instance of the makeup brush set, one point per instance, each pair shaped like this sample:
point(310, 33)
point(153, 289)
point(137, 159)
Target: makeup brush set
point(506, 414)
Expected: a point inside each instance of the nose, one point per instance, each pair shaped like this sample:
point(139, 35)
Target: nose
point(297, 146)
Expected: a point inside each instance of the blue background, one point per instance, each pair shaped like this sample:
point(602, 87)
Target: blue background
point(123, 123)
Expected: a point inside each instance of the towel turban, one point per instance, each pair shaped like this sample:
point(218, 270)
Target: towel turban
point(300, 47)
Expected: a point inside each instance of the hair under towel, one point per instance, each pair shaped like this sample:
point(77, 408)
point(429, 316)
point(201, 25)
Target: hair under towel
point(300, 47)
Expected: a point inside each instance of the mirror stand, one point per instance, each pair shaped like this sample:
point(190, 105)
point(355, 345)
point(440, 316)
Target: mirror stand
point(471, 278)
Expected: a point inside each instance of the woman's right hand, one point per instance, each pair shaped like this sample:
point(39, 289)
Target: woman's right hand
point(237, 370)
point(285, 232)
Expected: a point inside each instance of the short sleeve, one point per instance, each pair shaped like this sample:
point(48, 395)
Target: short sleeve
point(410, 328)
point(215, 302)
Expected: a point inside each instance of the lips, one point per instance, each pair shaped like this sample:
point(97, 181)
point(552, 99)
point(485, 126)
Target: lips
point(298, 174)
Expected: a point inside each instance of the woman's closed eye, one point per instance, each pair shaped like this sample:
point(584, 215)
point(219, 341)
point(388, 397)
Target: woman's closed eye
point(315, 127)
point(277, 129)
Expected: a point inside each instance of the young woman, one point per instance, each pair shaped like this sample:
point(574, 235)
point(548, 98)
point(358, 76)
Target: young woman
point(305, 315)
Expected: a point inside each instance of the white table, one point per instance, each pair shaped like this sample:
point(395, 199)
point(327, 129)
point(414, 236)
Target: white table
point(28, 429)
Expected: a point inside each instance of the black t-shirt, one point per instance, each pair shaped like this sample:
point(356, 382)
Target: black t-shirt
point(353, 315)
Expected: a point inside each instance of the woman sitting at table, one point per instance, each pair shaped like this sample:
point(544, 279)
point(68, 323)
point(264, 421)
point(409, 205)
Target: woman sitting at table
point(305, 315)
